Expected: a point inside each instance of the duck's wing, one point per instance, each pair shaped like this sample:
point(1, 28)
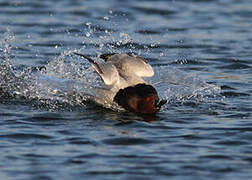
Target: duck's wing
point(107, 71)
point(129, 64)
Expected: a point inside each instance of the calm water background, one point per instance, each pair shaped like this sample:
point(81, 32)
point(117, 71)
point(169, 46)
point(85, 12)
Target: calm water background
point(189, 139)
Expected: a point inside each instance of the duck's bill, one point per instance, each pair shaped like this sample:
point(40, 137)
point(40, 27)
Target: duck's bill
point(161, 103)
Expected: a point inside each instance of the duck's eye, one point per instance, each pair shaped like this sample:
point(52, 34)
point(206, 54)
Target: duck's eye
point(148, 98)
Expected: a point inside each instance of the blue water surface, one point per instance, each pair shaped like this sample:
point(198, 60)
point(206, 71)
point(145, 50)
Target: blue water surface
point(201, 52)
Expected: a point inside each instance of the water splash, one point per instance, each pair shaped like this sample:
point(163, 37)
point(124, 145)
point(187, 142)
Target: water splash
point(6, 68)
point(66, 80)
point(176, 85)
point(57, 82)
point(109, 40)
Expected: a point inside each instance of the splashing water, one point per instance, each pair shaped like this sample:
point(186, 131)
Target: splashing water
point(176, 85)
point(67, 81)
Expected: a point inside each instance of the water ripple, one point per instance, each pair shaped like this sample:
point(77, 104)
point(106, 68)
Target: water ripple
point(25, 136)
point(201, 54)
point(126, 141)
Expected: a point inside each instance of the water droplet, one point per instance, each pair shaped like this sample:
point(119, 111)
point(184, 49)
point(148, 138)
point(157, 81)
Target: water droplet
point(106, 18)
point(88, 34)
point(88, 23)
point(125, 38)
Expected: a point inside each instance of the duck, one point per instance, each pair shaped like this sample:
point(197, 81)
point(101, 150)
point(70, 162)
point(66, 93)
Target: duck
point(122, 75)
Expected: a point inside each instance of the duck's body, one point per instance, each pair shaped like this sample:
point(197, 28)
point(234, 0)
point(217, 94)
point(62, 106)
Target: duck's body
point(122, 75)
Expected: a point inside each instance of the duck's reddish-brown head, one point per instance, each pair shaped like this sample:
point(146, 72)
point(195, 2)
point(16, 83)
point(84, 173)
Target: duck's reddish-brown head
point(141, 98)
